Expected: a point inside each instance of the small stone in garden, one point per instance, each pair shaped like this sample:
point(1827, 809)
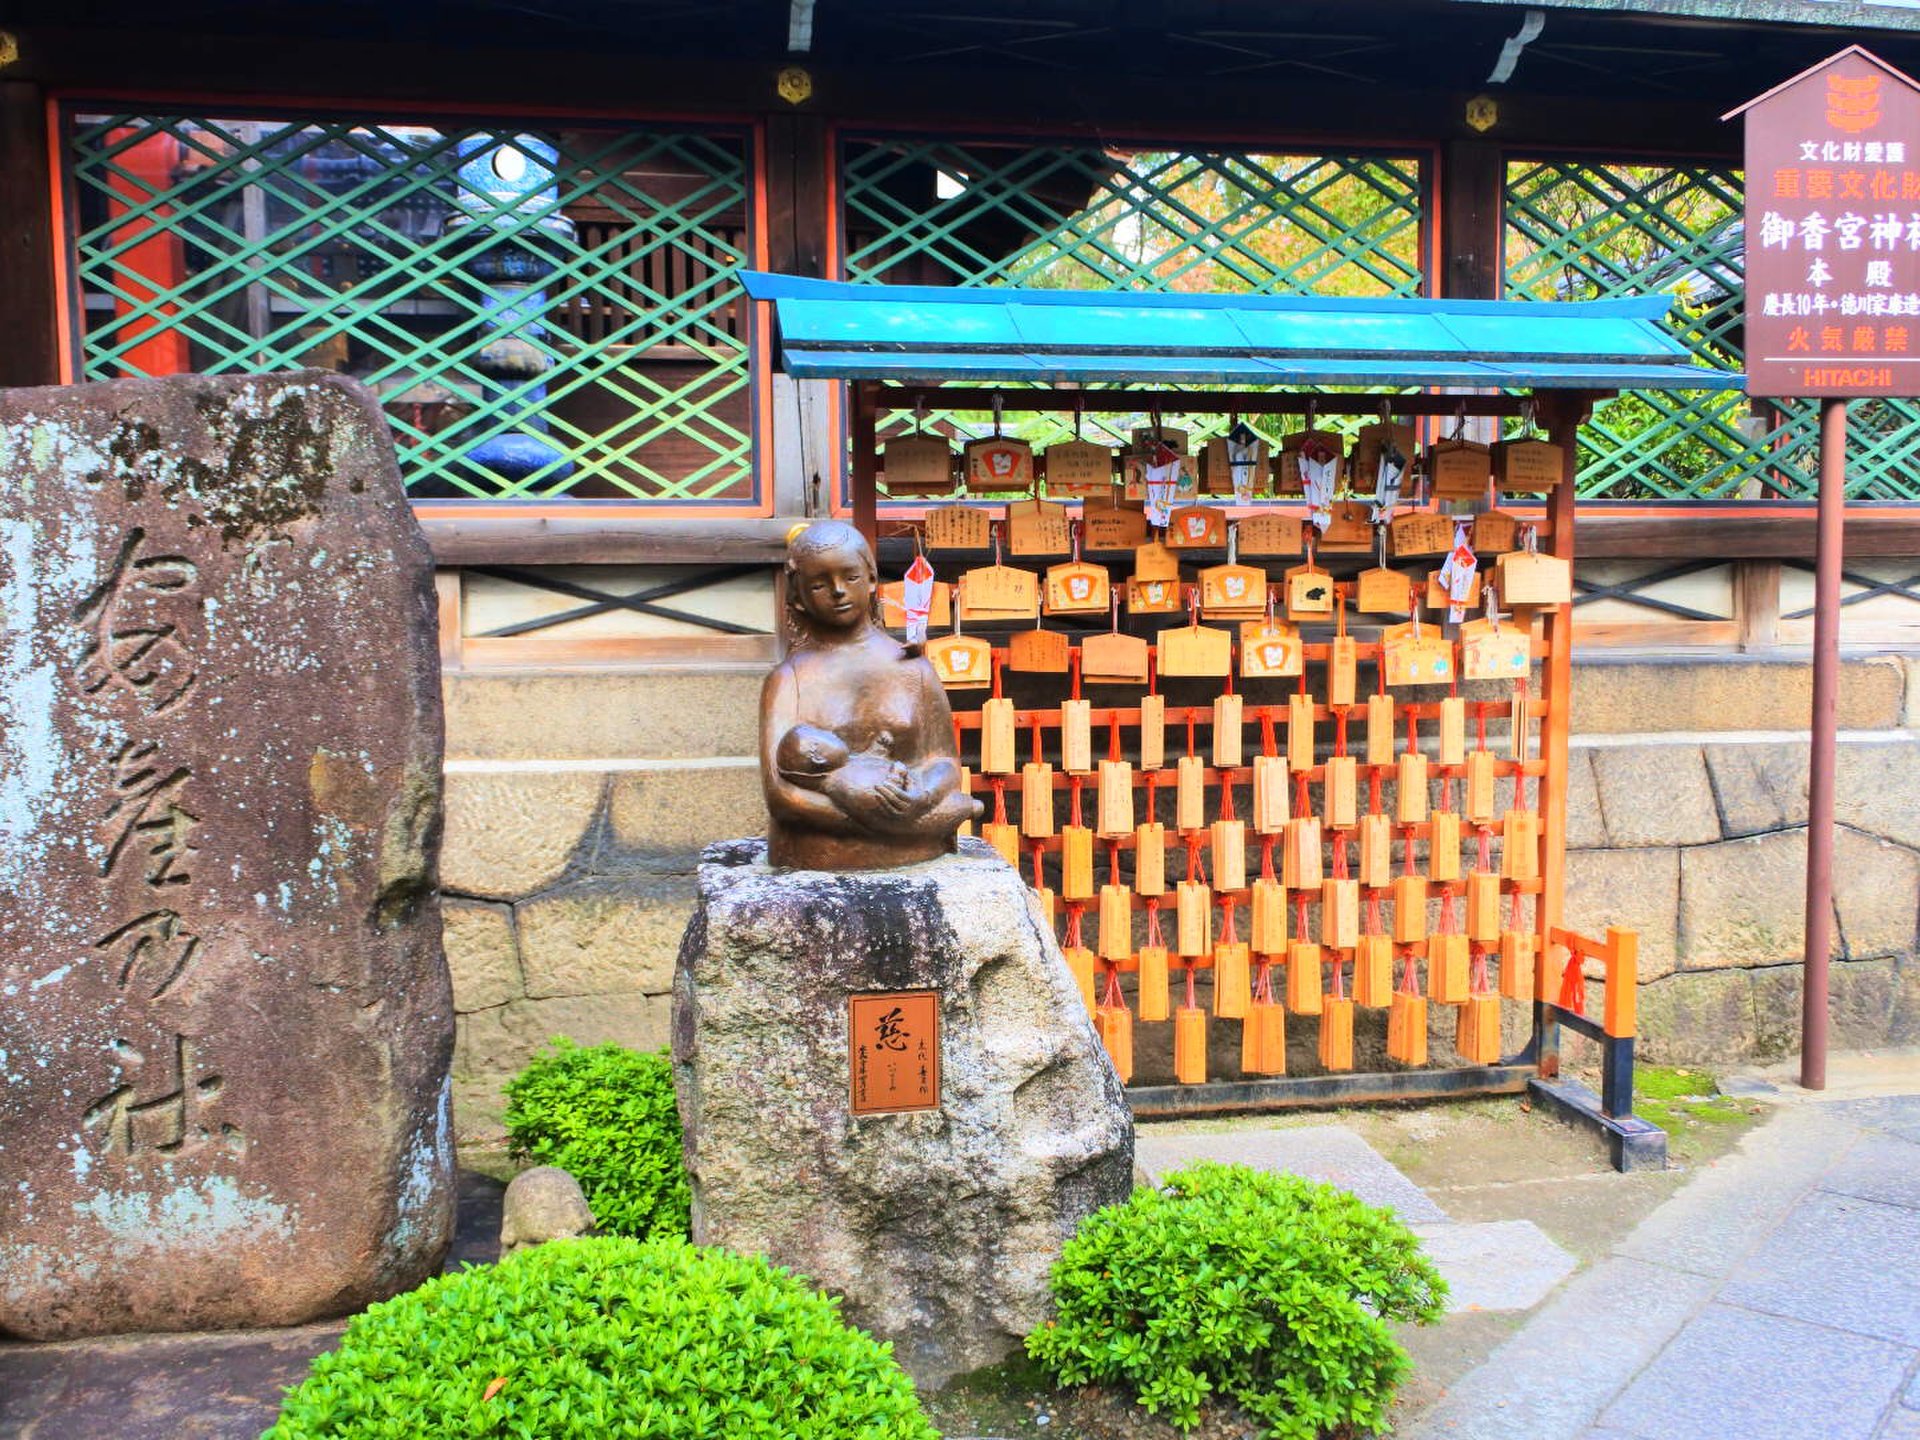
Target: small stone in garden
point(542, 1204)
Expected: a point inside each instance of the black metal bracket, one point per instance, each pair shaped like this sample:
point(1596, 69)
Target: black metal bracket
point(601, 601)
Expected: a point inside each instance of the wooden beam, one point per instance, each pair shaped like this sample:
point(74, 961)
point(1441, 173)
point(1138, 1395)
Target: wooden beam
point(587, 540)
point(1756, 600)
point(1759, 535)
point(29, 299)
point(583, 538)
point(1091, 106)
point(1472, 193)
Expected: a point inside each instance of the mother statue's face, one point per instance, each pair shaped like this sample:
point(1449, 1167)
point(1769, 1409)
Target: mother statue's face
point(835, 587)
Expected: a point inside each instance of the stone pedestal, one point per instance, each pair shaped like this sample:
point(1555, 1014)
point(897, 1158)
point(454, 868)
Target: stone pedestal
point(937, 1226)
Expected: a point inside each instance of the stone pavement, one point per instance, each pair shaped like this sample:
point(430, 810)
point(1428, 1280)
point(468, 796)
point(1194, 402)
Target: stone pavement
point(1490, 1266)
point(1775, 1297)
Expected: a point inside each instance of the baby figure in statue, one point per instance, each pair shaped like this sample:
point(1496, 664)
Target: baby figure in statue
point(856, 737)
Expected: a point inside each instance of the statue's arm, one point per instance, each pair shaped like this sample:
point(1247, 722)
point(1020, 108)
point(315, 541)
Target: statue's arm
point(938, 772)
point(788, 803)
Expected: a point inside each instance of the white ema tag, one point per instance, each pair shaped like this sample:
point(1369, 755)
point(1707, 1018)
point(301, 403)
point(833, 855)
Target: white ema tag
point(1161, 480)
point(1386, 492)
point(1243, 463)
point(1456, 576)
point(917, 599)
point(1317, 465)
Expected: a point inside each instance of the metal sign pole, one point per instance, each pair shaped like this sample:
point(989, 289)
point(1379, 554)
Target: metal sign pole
point(1829, 288)
point(1826, 679)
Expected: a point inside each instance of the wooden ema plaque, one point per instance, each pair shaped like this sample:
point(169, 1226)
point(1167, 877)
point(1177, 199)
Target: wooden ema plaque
point(1113, 659)
point(1077, 588)
point(1494, 532)
point(1308, 591)
point(1349, 531)
point(1109, 523)
point(1195, 650)
point(999, 592)
point(1271, 532)
point(1420, 532)
point(1524, 577)
point(1233, 592)
point(1042, 652)
point(1368, 441)
point(1153, 597)
point(893, 1051)
point(963, 662)
point(1494, 652)
point(1270, 650)
point(1036, 527)
point(959, 527)
point(1459, 469)
point(1197, 527)
point(1078, 468)
point(893, 605)
point(998, 464)
point(1529, 465)
point(1426, 659)
point(1383, 592)
point(917, 465)
point(1154, 561)
point(1174, 438)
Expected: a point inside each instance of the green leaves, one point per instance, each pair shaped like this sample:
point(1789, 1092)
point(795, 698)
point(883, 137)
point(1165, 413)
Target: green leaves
point(606, 1339)
point(1272, 1290)
point(606, 1115)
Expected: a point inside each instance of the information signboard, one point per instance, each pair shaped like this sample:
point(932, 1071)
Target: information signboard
point(1833, 232)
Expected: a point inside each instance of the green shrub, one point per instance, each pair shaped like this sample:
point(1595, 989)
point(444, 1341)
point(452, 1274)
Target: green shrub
point(1272, 1290)
point(607, 1116)
point(606, 1339)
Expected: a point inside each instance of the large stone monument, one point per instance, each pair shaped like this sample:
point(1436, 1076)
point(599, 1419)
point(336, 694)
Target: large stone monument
point(885, 1072)
point(225, 1020)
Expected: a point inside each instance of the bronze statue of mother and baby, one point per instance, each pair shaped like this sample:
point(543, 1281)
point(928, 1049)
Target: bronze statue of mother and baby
point(856, 737)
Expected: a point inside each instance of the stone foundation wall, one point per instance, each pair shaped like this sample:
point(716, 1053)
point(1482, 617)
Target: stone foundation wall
point(1701, 844)
point(578, 802)
point(577, 806)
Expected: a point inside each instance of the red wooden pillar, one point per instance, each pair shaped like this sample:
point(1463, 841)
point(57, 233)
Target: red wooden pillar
point(29, 297)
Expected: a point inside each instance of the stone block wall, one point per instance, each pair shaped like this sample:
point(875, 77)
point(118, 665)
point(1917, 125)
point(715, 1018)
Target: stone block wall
point(1699, 842)
point(578, 802)
point(577, 805)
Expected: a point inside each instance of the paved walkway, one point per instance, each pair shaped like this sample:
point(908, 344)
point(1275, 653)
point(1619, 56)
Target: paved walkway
point(1775, 1297)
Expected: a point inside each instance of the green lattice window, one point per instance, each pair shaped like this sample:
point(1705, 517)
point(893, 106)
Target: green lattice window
point(1581, 230)
point(1086, 217)
point(225, 245)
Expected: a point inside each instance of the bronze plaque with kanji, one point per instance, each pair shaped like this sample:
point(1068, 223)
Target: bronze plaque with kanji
point(893, 1051)
point(1832, 268)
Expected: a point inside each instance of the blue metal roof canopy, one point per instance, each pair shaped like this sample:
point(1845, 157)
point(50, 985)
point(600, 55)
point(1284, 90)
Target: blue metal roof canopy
point(927, 334)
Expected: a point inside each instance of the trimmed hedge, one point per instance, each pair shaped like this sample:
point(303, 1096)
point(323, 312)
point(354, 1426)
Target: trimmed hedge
point(1272, 1291)
point(607, 1339)
point(607, 1116)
